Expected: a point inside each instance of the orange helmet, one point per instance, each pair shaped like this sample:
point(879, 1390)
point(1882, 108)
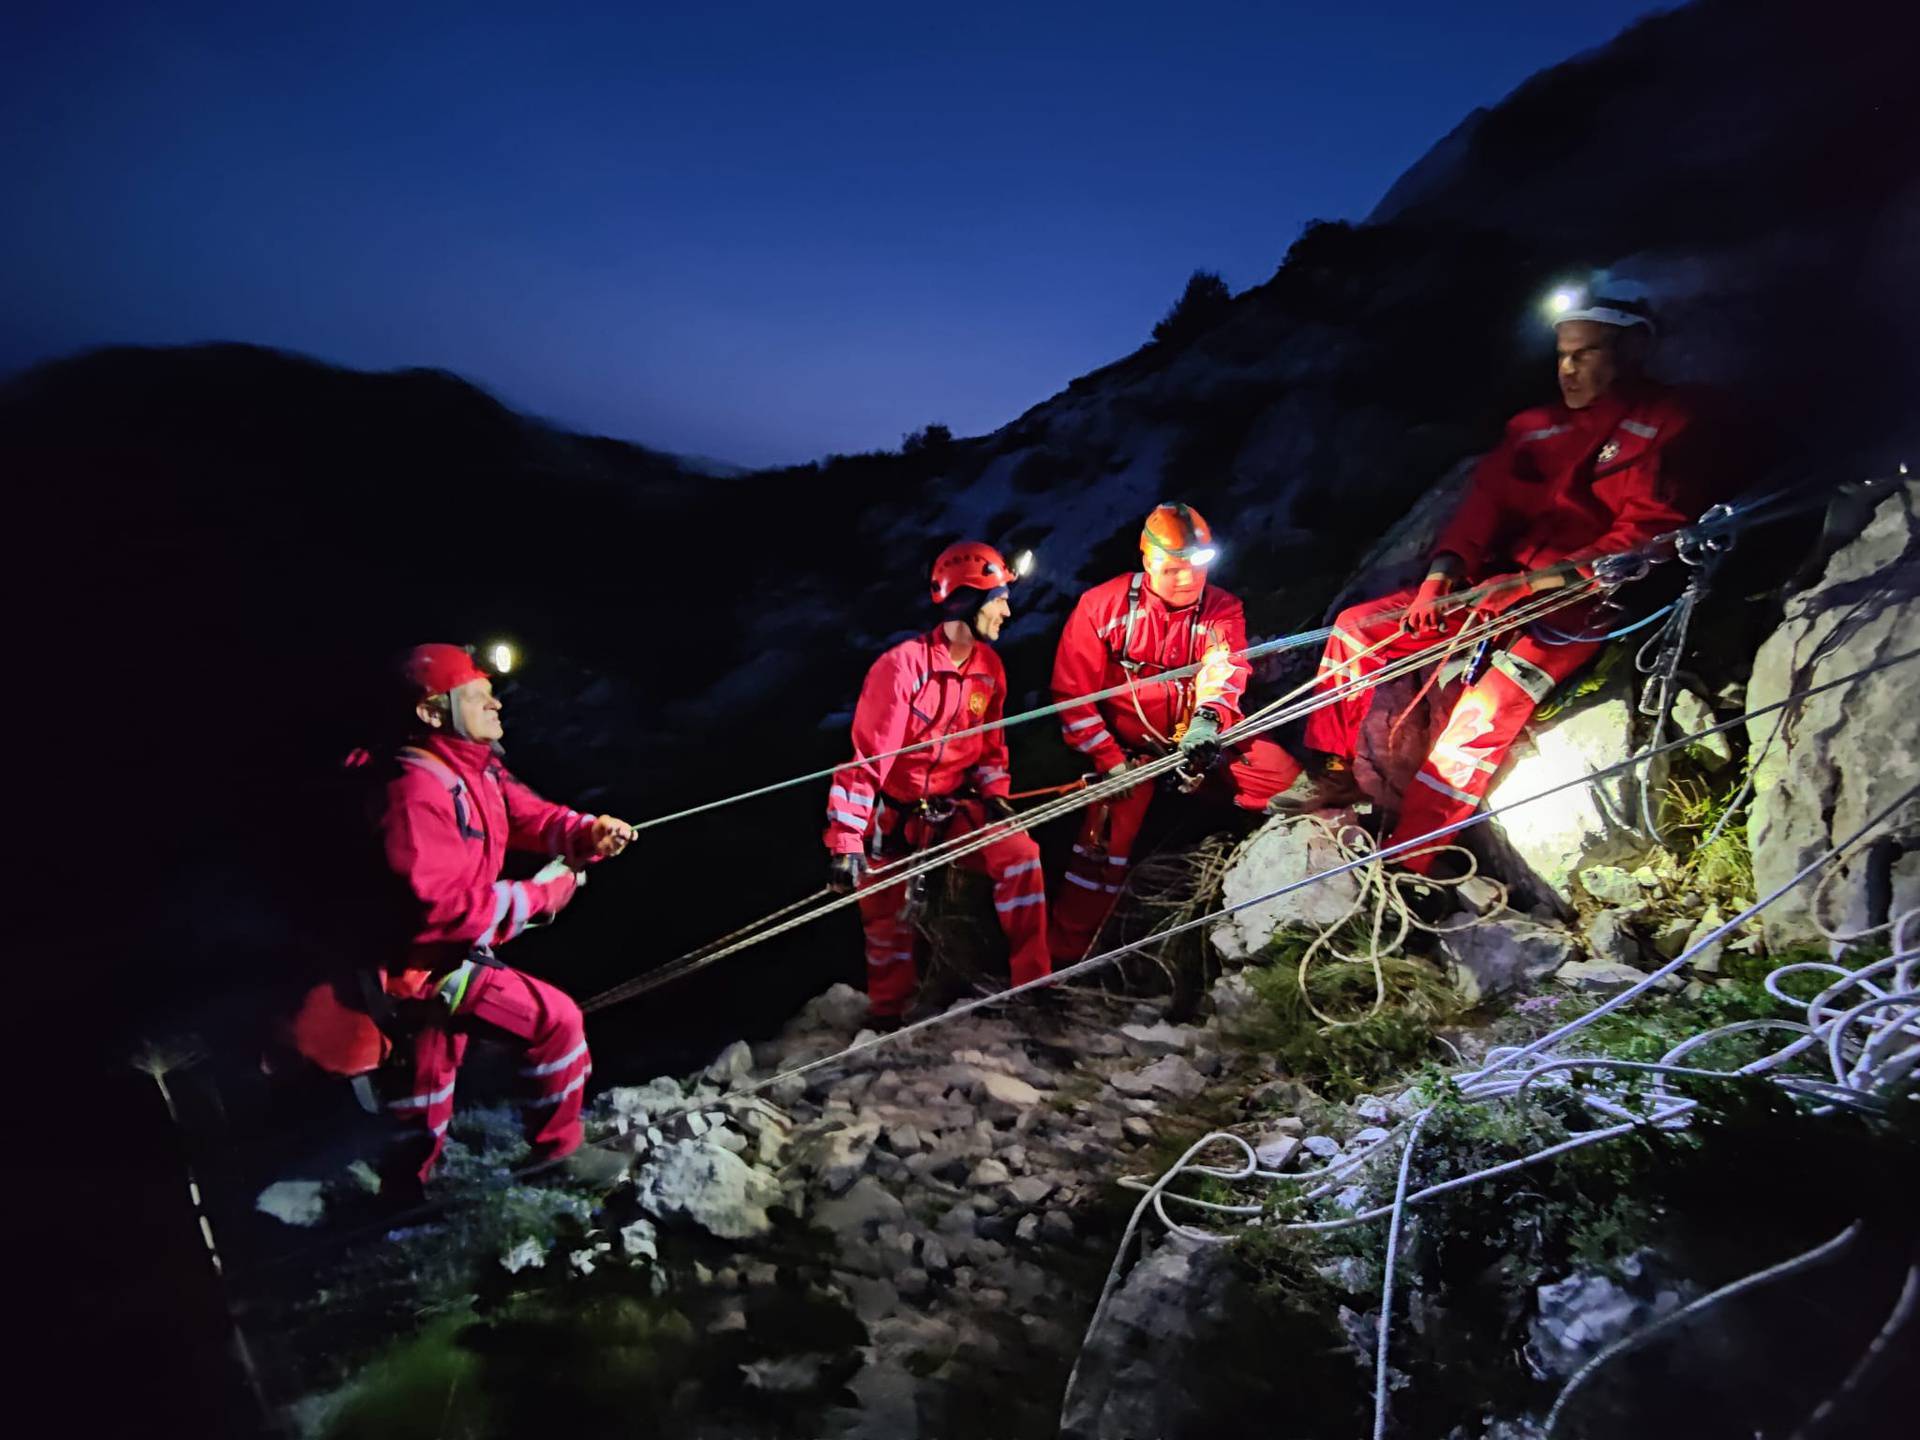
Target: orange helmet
point(1178, 545)
point(1179, 530)
point(970, 565)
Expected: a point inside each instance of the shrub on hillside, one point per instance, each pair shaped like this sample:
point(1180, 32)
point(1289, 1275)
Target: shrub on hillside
point(1201, 306)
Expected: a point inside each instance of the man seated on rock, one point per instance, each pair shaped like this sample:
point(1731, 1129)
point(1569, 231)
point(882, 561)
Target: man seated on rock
point(446, 812)
point(945, 682)
point(1126, 631)
point(1602, 471)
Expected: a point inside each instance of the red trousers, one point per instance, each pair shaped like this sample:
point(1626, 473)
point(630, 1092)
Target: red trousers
point(1019, 899)
point(1484, 723)
point(504, 1004)
point(1255, 771)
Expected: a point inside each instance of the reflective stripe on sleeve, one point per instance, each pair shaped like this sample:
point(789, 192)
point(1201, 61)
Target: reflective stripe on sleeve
point(1022, 868)
point(1093, 742)
point(572, 1085)
point(1081, 724)
point(1014, 904)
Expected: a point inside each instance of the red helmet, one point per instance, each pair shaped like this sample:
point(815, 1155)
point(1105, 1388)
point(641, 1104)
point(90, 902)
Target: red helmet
point(970, 565)
point(437, 669)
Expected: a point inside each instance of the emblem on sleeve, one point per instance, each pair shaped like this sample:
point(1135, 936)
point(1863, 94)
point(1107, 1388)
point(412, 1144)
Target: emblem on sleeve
point(1609, 452)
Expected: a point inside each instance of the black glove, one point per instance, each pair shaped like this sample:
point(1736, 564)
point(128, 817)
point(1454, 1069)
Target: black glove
point(1201, 741)
point(843, 873)
point(999, 808)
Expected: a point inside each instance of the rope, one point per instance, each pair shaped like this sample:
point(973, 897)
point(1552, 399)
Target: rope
point(1288, 707)
point(1872, 1077)
point(874, 1040)
point(1462, 600)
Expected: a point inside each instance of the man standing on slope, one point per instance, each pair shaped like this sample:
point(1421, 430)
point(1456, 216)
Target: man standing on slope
point(446, 816)
point(883, 807)
point(1603, 471)
point(1126, 631)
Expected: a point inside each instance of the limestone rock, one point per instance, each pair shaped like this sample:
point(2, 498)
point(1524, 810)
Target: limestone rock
point(1842, 756)
point(712, 1187)
point(1281, 852)
point(1707, 958)
point(1584, 1313)
point(1598, 976)
point(866, 1205)
point(1010, 1090)
point(1611, 885)
point(1169, 1075)
point(1503, 954)
point(1611, 937)
point(640, 1241)
point(1584, 825)
point(1160, 1038)
point(1275, 1150)
point(732, 1064)
point(988, 1173)
point(1237, 1006)
point(293, 1202)
point(1690, 715)
point(841, 1008)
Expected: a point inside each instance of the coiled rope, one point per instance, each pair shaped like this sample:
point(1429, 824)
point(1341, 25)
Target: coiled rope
point(1872, 1047)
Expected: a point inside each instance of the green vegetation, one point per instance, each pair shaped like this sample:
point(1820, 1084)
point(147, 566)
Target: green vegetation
point(1367, 1048)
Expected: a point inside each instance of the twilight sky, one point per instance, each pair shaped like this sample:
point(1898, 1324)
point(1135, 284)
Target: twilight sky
point(754, 231)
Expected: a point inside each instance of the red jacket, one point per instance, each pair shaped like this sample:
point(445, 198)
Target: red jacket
point(445, 822)
point(913, 693)
point(1090, 652)
point(449, 817)
point(1572, 484)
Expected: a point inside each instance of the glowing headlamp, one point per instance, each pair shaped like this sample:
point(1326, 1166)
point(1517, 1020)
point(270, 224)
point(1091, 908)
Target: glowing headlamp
point(1203, 556)
point(501, 656)
point(1566, 298)
point(1023, 564)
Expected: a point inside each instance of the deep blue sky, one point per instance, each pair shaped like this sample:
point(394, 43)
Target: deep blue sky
point(760, 232)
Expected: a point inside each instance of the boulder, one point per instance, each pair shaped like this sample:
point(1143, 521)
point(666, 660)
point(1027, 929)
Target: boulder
point(1279, 853)
point(1275, 1149)
point(1237, 1006)
point(712, 1187)
point(1171, 1354)
point(1840, 757)
point(1504, 953)
point(1009, 1090)
point(1583, 825)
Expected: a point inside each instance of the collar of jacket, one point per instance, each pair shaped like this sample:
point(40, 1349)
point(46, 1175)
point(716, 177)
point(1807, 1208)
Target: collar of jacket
point(940, 659)
point(472, 757)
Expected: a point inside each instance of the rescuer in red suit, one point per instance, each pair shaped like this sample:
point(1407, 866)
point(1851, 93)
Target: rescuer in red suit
point(882, 807)
point(1164, 616)
point(445, 817)
point(1592, 475)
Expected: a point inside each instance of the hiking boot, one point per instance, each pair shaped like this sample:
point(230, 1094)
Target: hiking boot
point(1326, 783)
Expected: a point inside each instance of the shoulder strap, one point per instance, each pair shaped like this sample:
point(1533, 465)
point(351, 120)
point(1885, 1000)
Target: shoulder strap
point(1125, 655)
point(426, 760)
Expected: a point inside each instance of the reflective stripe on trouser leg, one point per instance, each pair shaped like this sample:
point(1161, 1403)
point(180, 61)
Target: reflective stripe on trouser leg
point(1096, 871)
point(1334, 729)
point(1480, 732)
point(891, 974)
point(545, 1022)
point(1019, 902)
point(421, 1104)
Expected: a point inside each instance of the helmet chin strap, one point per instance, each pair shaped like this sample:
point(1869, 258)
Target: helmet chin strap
point(453, 712)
